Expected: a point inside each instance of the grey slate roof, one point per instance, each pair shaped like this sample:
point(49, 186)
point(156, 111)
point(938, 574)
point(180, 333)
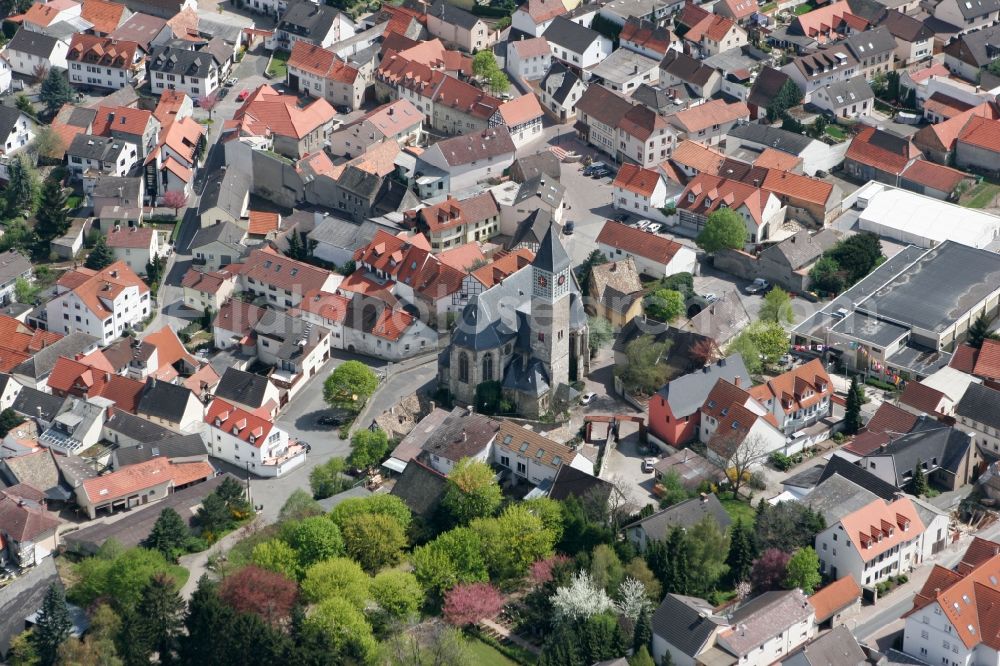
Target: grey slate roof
point(837, 497)
point(223, 232)
point(686, 394)
point(686, 514)
point(862, 477)
point(309, 20)
point(462, 434)
point(550, 191)
point(767, 85)
point(551, 256)
point(135, 427)
point(544, 163)
point(838, 647)
point(13, 265)
point(181, 62)
point(163, 400)
point(449, 13)
point(930, 441)
point(686, 68)
point(569, 35)
point(9, 116)
point(981, 404)
point(779, 139)
point(563, 78)
point(421, 488)
point(177, 446)
point(850, 91)
point(33, 403)
point(808, 478)
point(973, 47)
point(102, 148)
point(877, 40)
point(906, 27)
point(803, 248)
point(244, 387)
point(228, 193)
point(687, 623)
point(33, 43)
point(974, 8)
point(570, 481)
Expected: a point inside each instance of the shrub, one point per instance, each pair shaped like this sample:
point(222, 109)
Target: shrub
point(780, 461)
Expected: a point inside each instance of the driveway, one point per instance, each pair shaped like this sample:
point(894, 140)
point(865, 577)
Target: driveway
point(624, 465)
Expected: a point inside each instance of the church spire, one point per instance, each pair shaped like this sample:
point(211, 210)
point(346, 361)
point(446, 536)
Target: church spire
point(551, 256)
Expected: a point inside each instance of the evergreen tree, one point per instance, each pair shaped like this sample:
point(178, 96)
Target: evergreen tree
point(55, 91)
point(52, 626)
point(979, 331)
point(233, 495)
point(22, 186)
point(101, 256)
point(169, 535)
point(53, 219)
point(741, 552)
point(207, 619)
point(213, 516)
point(160, 618)
point(677, 563)
point(852, 412)
point(918, 484)
point(656, 559)
point(643, 634)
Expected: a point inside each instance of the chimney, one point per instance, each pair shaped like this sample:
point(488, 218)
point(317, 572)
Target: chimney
point(110, 412)
point(433, 405)
point(737, 381)
point(465, 436)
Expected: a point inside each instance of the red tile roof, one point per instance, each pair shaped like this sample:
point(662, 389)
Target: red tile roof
point(835, 597)
point(70, 376)
point(799, 388)
point(503, 266)
point(635, 179)
point(880, 150)
point(942, 136)
point(544, 10)
point(266, 112)
point(713, 26)
point(207, 283)
point(102, 51)
point(467, 98)
point(797, 186)
point(715, 112)
point(981, 132)
point(123, 391)
point(922, 397)
point(934, 176)
point(331, 307)
point(321, 62)
point(94, 288)
point(131, 237)
point(705, 194)
point(19, 337)
point(647, 35)
point(879, 527)
point(988, 360)
point(641, 122)
point(263, 222)
point(106, 16)
point(964, 359)
point(142, 476)
point(635, 241)
point(888, 422)
point(238, 422)
point(947, 107)
point(238, 316)
point(520, 110)
point(24, 522)
point(269, 267)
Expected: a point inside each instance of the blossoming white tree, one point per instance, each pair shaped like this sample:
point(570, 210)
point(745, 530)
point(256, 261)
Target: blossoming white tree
point(581, 600)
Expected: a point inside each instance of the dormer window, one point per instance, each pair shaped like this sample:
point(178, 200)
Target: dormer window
point(218, 422)
point(252, 439)
point(236, 430)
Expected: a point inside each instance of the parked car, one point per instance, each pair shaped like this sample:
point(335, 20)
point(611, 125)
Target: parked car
point(621, 217)
point(601, 173)
point(642, 224)
point(654, 228)
point(592, 167)
point(222, 93)
point(587, 398)
point(332, 419)
point(647, 464)
point(758, 286)
point(231, 81)
point(243, 95)
point(569, 228)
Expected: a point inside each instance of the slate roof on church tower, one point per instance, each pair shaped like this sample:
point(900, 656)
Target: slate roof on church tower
point(551, 256)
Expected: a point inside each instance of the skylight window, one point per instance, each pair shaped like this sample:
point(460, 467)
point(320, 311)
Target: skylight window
point(524, 447)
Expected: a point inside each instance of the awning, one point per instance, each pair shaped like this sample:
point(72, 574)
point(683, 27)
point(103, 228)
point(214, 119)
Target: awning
point(395, 464)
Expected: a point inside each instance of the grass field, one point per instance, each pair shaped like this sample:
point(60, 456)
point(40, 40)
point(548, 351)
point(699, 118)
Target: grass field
point(487, 655)
point(804, 8)
point(278, 69)
point(738, 509)
point(835, 132)
point(982, 195)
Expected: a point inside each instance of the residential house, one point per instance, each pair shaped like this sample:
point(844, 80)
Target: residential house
point(234, 323)
point(644, 137)
point(826, 24)
point(720, 320)
point(977, 411)
point(523, 118)
point(164, 9)
point(686, 514)
point(262, 274)
point(536, 200)
point(640, 191)
point(624, 71)
point(455, 26)
point(616, 292)
point(977, 145)
point(560, 90)
point(226, 199)
point(619, 11)
point(459, 107)
point(736, 426)
point(757, 632)
point(967, 16)
point(195, 73)
point(6, 75)
point(736, 10)
point(321, 73)
point(969, 54)
point(314, 23)
point(711, 122)
point(139, 484)
point(786, 263)
point(41, 16)
point(105, 16)
point(177, 157)
point(532, 456)
point(462, 434)
point(544, 164)
point(577, 46)
point(28, 531)
point(678, 68)
point(919, 399)
point(102, 303)
point(293, 130)
point(821, 67)
point(529, 58)
point(145, 30)
point(873, 49)
point(29, 52)
point(219, 245)
point(946, 455)
point(876, 154)
point(249, 391)
point(675, 410)
point(797, 398)
point(171, 405)
point(757, 138)
point(397, 121)
point(849, 99)
point(103, 62)
point(207, 291)
point(460, 162)
point(14, 266)
point(938, 141)
point(714, 33)
point(535, 16)
point(247, 440)
point(136, 246)
point(878, 541)
point(914, 40)
point(647, 38)
point(600, 112)
point(765, 88)
point(17, 131)
point(454, 222)
point(654, 255)
point(761, 210)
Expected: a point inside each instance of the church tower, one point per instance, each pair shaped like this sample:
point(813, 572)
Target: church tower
point(550, 308)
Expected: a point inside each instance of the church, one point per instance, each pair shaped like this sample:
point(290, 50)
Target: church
point(528, 333)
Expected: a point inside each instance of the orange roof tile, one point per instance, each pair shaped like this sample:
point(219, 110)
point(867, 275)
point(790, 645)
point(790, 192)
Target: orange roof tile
point(711, 192)
point(103, 51)
point(935, 176)
point(942, 136)
point(988, 360)
point(134, 478)
point(106, 16)
point(835, 597)
point(635, 179)
point(131, 237)
point(42, 14)
point(636, 241)
point(463, 257)
point(503, 266)
point(93, 288)
point(883, 151)
point(713, 26)
point(647, 35)
point(189, 472)
point(981, 132)
point(266, 112)
point(204, 378)
point(263, 222)
point(331, 307)
point(879, 527)
point(715, 112)
point(799, 388)
point(207, 283)
point(240, 423)
point(771, 158)
point(798, 186)
point(544, 10)
point(169, 349)
point(698, 157)
point(531, 48)
point(520, 110)
point(168, 106)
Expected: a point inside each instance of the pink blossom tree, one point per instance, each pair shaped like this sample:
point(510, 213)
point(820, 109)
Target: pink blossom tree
point(209, 102)
point(175, 199)
point(769, 570)
point(541, 571)
point(470, 603)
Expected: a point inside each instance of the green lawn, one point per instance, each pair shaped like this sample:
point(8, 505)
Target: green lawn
point(982, 195)
point(804, 8)
point(73, 201)
point(487, 655)
point(278, 68)
point(738, 509)
point(836, 132)
point(769, 7)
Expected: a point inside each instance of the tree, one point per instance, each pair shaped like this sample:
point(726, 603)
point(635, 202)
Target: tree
point(349, 635)
point(632, 600)
point(918, 484)
point(484, 63)
point(276, 555)
point(267, 594)
point(175, 199)
point(606, 569)
point(22, 186)
point(52, 218)
point(154, 271)
point(382, 504)
point(328, 479)
point(314, 539)
point(826, 276)
point(429, 644)
point(296, 248)
point(595, 258)
point(498, 82)
point(599, 333)
point(101, 256)
point(9, 419)
point(777, 307)
point(802, 570)
point(724, 230)
point(52, 626)
point(979, 331)
point(644, 371)
point(857, 255)
point(22, 650)
point(786, 526)
point(336, 577)
point(639, 570)
point(769, 570)
point(707, 548)
point(471, 492)
point(397, 592)
point(24, 291)
point(852, 410)
point(760, 343)
point(169, 535)
point(642, 657)
point(582, 599)
point(368, 448)
point(741, 552)
point(233, 495)
point(643, 634)
point(454, 557)
point(24, 105)
point(674, 491)
point(159, 618)
point(48, 143)
point(213, 516)
point(788, 95)
point(664, 305)
point(742, 452)
point(682, 282)
point(512, 541)
point(468, 604)
point(349, 385)
point(209, 102)
point(55, 91)
point(299, 505)
point(374, 541)
point(98, 646)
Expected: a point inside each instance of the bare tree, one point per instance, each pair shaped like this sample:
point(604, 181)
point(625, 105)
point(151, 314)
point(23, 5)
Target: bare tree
point(742, 452)
point(620, 505)
point(40, 72)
